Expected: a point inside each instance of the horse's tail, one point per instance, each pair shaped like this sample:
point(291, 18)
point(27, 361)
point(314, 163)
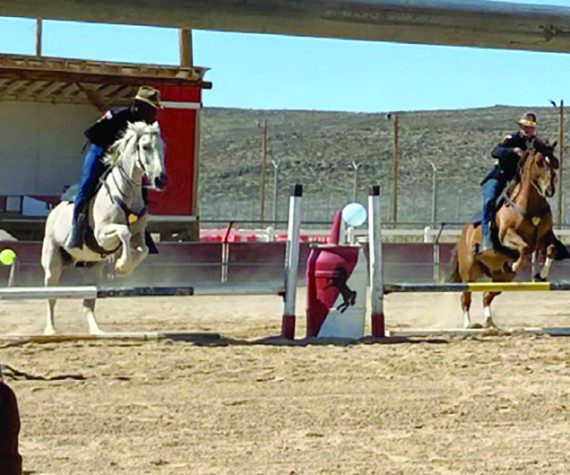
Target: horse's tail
point(453, 275)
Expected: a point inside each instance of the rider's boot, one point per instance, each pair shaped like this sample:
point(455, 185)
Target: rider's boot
point(75, 239)
point(487, 241)
point(152, 249)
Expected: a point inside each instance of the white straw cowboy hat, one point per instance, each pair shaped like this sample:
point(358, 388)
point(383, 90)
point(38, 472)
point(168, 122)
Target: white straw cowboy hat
point(150, 95)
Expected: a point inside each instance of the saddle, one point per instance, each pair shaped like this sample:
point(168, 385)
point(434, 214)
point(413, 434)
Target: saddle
point(499, 201)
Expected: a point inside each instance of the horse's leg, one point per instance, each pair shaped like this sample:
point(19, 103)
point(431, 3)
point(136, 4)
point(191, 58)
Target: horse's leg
point(52, 262)
point(550, 253)
point(468, 269)
point(89, 304)
point(139, 249)
point(110, 231)
point(488, 297)
point(465, 306)
point(513, 241)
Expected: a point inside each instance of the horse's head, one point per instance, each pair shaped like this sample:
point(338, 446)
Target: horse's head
point(150, 153)
point(541, 165)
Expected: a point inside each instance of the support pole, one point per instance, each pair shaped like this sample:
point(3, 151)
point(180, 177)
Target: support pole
point(375, 251)
point(185, 47)
point(38, 37)
point(264, 150)
point(292, 262)
point(355, 167)
point(275, 184)
point(395, 158)
point(433, 194)
point(561, 160)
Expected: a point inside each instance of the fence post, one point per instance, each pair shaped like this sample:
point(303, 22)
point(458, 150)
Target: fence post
point(13, 273)
point(375, 251)
point(292, 262)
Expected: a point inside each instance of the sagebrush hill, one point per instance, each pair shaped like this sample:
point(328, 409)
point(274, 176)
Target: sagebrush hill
point(317, 149)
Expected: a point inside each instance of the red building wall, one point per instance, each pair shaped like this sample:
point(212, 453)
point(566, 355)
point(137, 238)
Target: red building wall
point(178, 125)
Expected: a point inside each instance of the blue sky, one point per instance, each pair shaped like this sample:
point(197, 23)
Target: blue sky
point(279, 72)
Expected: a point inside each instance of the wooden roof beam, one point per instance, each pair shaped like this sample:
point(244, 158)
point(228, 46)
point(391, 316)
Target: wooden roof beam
point(12, 88)
point(52, 88)
point(69, 90)
point(32, 88)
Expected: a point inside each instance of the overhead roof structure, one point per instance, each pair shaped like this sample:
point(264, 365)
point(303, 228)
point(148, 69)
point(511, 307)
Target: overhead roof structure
point(445, 22)
point(72, 81)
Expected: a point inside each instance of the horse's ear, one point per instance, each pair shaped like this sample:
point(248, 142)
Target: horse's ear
point(554, 144)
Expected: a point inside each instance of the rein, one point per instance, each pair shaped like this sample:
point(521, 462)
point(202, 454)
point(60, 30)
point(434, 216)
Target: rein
point(131, 216)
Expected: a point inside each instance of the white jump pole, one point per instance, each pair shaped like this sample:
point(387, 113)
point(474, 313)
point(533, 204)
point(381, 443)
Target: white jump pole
point(40, 293)
point(13, 273)
point(292, 262)
point(375, 251)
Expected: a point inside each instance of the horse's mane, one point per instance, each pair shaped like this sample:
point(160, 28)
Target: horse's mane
point(128, 140)
point(544, 148)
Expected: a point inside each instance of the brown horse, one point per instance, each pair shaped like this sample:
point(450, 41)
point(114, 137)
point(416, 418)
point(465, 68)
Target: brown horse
point(523, 225)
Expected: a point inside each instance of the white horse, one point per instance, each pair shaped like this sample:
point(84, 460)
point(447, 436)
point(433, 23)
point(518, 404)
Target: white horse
point(117, 216)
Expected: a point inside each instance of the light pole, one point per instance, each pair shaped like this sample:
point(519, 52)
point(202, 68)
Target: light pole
point(275, 182)
point(560, 109)
point(355, 167)
point(264, 150)
point(433, 193)
point(395, 155)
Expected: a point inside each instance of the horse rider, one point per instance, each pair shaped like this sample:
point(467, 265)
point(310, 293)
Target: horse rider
point(507, 155)
point(101, 135)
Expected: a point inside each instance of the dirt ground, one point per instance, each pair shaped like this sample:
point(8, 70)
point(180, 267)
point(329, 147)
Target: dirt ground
point(243, 404)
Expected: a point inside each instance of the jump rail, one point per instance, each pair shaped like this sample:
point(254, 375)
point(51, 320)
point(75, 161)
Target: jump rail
point(92, 292)
point(479, 287)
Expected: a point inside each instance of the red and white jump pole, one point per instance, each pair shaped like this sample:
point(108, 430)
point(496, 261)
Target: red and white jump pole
point(375, 263)
point(292, 262)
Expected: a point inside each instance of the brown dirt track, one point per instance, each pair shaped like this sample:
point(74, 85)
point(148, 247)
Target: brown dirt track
point(496, 404)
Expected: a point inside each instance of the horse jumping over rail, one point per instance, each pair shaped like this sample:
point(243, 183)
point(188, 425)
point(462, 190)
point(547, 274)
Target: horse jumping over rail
point(523, 224)
point(117, 216)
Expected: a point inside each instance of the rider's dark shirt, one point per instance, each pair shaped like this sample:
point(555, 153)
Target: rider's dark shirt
point(508, 160)
point(111, 126)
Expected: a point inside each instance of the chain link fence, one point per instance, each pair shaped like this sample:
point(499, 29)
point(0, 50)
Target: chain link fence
point(445, 153)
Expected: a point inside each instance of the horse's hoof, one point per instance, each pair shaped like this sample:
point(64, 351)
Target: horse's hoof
point(124, 269)
point(490, 324)
point(474, 326)
point(538, 278)
point(49, 331)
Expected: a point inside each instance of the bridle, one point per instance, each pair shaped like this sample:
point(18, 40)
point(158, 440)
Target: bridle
point(133, 184)
point(536, 218)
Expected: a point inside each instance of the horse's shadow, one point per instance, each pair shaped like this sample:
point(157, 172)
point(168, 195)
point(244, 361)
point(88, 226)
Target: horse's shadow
point(301, 342)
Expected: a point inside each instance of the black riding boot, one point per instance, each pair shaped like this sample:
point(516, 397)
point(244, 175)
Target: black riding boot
point(75, 239)
point(152, 249)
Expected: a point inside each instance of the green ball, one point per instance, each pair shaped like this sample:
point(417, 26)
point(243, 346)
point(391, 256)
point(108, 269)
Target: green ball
point(7, 257)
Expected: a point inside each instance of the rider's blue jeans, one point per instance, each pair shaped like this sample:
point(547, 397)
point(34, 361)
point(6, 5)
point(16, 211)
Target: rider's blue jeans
point(491, 190)
point(93, 169)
